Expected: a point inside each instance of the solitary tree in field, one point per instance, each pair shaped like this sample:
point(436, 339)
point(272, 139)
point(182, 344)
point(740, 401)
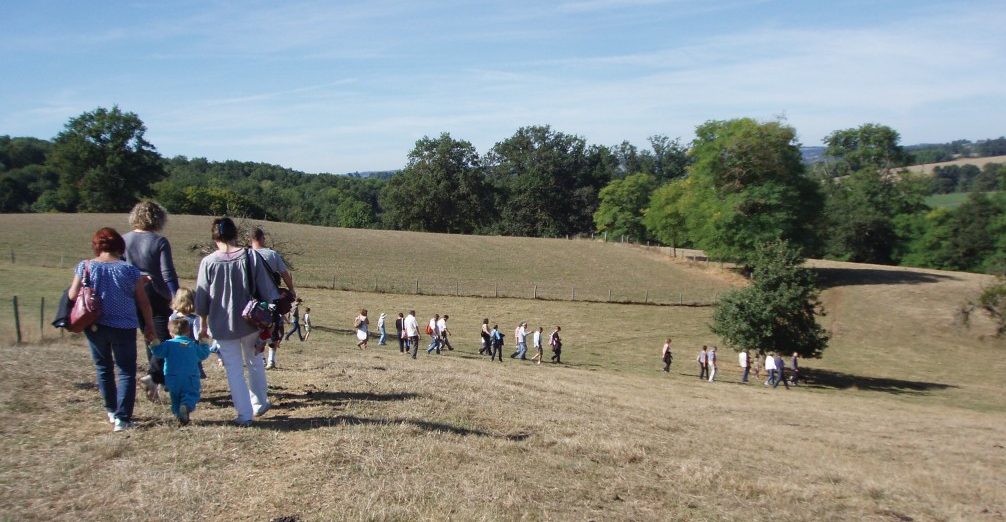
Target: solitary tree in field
point(777, 313)
point(104, 162)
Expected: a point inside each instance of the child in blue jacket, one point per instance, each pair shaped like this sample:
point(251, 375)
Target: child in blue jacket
point(181, 357)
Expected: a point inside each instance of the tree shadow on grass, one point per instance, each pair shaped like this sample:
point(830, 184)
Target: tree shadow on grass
point(293, 401)
point(828, 379)
point(287, 423)
point(833, 277)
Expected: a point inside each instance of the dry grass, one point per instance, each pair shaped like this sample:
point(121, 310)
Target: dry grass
point(928, 168)
point(904, 418)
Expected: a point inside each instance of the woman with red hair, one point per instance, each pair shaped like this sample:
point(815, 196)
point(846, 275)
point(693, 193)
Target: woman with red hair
point(119, 286)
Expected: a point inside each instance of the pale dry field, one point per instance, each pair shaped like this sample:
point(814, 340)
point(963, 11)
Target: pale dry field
point(928, 168)
point(904, 418)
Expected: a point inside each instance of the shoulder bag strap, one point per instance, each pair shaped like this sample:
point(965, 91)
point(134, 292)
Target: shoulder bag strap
point(251, 278)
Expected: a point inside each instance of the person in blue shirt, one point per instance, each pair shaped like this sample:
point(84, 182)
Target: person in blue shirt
point(497, 343)
point(182, 356)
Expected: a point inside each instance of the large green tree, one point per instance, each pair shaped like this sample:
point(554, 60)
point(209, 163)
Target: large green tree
point(104, 161)
point(777, 312)
point(870, 146)
point(746, 186)
point(442, 189)
point(547, 182)
point(621, 207)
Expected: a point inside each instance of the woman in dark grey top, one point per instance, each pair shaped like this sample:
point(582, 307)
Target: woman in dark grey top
point(149, 251)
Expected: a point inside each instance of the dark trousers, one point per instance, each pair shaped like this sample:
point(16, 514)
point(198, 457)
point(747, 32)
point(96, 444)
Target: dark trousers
point(744, 377)
point(160, 309)
point(496, 350)
point(557, 355)
point(703, 371)
point(780, 377)
point(414, 343)
point(401, 342)
point(115, 349)
point(667, 363)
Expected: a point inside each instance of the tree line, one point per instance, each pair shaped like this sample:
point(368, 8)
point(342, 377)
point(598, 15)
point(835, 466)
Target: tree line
point(738, 184)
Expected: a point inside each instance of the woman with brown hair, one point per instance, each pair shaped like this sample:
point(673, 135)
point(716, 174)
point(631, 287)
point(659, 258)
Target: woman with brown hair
point(112, 338)
point(227, 280)
point(150, 252)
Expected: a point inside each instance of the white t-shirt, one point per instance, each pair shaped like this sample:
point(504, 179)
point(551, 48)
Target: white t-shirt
point(434, 327)
point(537, 339)
point(441, 325)
point(769, 362)
point(742, 359)
point(411, 326)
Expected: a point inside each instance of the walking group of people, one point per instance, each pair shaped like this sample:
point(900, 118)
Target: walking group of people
point(773, 364)
point(493, 341)
point(409, 333)
point(134, 279)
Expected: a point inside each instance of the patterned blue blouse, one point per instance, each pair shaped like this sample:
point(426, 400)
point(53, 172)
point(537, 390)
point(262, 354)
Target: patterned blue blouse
point(116, 286)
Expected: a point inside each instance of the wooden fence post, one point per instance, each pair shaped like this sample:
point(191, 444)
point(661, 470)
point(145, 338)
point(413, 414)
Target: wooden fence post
point(457, 288)
point(681, 298)
point(609, 295)
point(646, 296)
point(41, 320)
point(333, 282)
point(572, 293)
point(534, 293)
point(496, 289)
point(12, 255)
point(17, 316)
point(417, 286)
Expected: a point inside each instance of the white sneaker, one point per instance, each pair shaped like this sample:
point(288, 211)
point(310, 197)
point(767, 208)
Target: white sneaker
point(111, 417)
point(121, 425)
point(264, 409)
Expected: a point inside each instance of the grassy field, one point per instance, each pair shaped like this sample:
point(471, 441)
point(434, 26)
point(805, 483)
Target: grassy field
point(903, 419)
point(952, 200)
point(928, 168)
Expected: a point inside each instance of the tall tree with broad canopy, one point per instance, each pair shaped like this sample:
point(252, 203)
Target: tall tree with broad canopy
point(622, 204)
point(746, 186)
point(104, 161)
point(777, 313)
point(547, 182)
point(442, 189)
point(868, 146)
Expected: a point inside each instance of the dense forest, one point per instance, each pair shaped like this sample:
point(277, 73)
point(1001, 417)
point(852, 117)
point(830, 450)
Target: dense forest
point(737, 184)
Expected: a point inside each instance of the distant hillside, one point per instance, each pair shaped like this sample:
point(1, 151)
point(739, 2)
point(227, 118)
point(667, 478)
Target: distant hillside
point(927, 168)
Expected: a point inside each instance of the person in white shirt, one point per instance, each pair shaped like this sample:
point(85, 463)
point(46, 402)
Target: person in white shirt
point(711, 363)
point(703, 366)
point(520, 338)
point(537, 345)
point(412, 331)
point(742, 360)
point(382, 330)
point(770, 369)
point(444, 332)
point(434, 330)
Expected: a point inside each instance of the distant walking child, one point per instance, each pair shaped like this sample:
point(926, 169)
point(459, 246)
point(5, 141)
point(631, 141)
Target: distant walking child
point(181, 356)
point(381, 329)
point(666, 355)
point(361, 325)
point(537, 345)
point(711, 363)
point(307, 323)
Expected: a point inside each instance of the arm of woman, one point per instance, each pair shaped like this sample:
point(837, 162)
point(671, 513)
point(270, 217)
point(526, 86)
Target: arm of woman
point(144, 305)
point(168, 266)
point(74, 290)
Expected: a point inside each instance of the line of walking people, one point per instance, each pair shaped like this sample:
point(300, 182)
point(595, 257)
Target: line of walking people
point(773, 363)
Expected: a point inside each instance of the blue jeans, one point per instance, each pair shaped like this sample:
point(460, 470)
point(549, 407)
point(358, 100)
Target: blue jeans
point(113, 348)
point(521, 352)
point(435, 345)
point(294, 327)
point(771, 377)
point(744, 378)
point(384, 336)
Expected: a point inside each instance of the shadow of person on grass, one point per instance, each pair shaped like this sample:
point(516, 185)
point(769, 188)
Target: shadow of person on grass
point(834, 277)
point(287, 423)
point(828, 379)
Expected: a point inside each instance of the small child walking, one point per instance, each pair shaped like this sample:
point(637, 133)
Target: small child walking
point(181, 357)
point(666, 355)
point(307, 323)
point(537, 345)
point(361, 324)
point(184, 305)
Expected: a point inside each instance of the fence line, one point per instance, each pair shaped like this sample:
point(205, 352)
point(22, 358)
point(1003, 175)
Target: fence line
point(440, 285)
point(16, 317)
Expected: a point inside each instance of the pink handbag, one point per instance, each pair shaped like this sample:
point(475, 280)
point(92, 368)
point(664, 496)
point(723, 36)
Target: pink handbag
point(87, 308)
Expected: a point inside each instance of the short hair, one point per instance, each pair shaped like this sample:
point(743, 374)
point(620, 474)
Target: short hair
point(224, 230)
point(184, 301)
point(179, 326)
point(258, 234)
point(108, 240)
point(148, 215)
point(308, 309)
point(363, 311)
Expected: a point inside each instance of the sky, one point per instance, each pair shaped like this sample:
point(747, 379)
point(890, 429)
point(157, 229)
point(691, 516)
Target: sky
point(326, 86)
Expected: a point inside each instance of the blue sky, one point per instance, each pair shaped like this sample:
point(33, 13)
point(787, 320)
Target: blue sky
point(325, 86)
